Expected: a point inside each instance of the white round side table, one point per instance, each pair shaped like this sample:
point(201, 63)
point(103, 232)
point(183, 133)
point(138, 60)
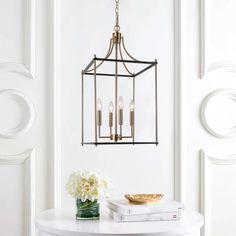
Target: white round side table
point(61, 222)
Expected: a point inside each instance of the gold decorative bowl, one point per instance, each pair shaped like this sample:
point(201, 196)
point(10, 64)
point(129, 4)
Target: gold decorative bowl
point(144, 198)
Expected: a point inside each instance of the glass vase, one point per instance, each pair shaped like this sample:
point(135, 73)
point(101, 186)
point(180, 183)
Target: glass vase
point(87, 210)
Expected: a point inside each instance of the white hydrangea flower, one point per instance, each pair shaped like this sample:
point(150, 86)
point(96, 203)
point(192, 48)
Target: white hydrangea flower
point(87, 185)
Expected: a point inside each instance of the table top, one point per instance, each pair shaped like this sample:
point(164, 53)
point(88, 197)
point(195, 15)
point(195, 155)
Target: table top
point(62, 222)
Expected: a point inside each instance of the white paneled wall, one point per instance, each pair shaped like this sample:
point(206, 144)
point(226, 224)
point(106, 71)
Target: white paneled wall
point(218, 194)
point(27, 144)
point(209, 89)
point(44, 46)
point(18, 194)
point(218, 37)
point(18, 37)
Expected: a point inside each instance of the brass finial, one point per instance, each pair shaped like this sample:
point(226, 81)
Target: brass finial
point(116, 37)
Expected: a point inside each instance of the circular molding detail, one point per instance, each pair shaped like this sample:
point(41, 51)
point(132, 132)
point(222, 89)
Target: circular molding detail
point(27, 113)
point(218, 113)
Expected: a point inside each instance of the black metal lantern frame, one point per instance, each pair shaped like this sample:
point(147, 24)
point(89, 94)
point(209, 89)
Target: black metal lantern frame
point(117, 47)
point(115, 136)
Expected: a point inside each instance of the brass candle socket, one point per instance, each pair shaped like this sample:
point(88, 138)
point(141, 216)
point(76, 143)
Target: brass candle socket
point(120, 116)
point(116, 37)
point(110, 119)
point(99, 120)
point(116, 137)
point(132, 118)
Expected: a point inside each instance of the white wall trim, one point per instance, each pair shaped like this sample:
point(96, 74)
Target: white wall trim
point(206, 64)
point(205, 193)
point(27, 159)
point(56, 101)
point(224, 66)
point(30, 46)
point(206, 183)
point(178, 103)
point(17, 68)
point(29, 114)
point(225, 133)
point(27, 67)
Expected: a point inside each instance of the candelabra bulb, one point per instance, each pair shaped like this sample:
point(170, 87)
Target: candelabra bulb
point(99, 104)
point(111, 107)
point(120, 103)
point(132, 105)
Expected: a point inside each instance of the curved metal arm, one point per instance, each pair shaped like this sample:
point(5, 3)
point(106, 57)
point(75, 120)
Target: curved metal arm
point(121, 56)
point(111, 46)
point(123, 44)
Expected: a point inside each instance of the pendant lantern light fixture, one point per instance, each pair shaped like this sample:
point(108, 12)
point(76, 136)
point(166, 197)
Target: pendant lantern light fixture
point(120, 61)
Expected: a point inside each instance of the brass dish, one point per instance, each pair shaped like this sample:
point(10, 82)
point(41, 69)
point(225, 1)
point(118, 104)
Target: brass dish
point(144, 198)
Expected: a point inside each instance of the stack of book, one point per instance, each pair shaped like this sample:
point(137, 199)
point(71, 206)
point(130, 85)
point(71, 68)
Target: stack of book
point(123, 211)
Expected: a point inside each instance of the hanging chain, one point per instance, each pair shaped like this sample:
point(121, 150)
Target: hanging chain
point(117, 27)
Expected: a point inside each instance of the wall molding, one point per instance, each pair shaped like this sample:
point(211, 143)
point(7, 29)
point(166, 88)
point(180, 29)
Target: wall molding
point(27, 159)
point(207, 65)
point(225, 133)
point(179, 168)
point(224, 66)
point(30, 43)
point(17, 68)
point(56, 101)
point(206, 183)
point(27, 67)
point(29, 114)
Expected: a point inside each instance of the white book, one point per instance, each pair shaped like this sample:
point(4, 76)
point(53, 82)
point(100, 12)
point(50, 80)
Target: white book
point(123, 207)
point(164, 216)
